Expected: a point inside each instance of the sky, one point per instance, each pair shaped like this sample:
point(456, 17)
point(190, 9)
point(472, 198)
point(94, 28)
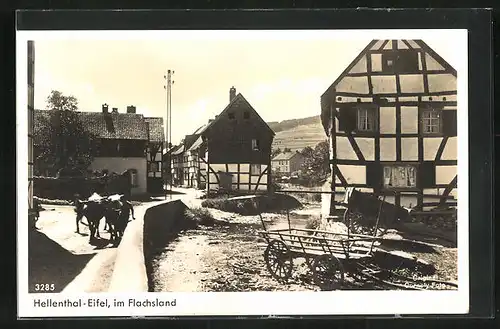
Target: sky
point(282, 77)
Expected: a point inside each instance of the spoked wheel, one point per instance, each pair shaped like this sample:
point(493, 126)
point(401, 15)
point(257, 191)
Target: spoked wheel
point(279, 260)
point(328, 272)
point(358, 224)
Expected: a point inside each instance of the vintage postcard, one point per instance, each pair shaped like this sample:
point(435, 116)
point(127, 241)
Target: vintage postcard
point(186, 173)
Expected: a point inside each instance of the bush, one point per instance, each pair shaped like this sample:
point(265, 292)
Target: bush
point(252, 206)
point(199, 216)
point(313, 223)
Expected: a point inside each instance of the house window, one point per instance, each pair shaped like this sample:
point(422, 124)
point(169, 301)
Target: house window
point(402, 61)
point(431, 121)
point(365, 120)
point(255, 169)
point(153, 167)
point(134, 181)
point(255, 145)
point(246, 115)
point(231, 115)
point(400, 176)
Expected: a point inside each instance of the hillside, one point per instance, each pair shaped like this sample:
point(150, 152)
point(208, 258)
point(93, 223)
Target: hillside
point(296, 134)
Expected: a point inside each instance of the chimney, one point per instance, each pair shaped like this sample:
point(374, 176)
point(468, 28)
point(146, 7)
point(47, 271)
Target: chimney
point(232, 93)
point(131, 109)
point(104, 108)
point(115, 110)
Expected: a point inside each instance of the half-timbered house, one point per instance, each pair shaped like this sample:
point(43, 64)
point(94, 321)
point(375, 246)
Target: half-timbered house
point(154, 152)
point(125, 143)
point(391, 122)
point(237, 148)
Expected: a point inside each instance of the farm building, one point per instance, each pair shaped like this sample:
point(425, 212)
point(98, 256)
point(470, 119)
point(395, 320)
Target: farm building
point(287, 162)
point(230, 152)
point(391, 119)
point(127, 142)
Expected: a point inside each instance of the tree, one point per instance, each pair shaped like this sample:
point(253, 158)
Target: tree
point(316, 166)
point(275, 152)
point(67, 145)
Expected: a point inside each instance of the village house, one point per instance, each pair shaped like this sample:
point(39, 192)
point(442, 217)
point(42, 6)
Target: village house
point(287, 163)
point(127, 142)
point(391, 119)
point(231, 152)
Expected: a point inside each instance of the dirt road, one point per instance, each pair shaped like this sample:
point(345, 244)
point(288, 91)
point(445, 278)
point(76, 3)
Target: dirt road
point(65, 258)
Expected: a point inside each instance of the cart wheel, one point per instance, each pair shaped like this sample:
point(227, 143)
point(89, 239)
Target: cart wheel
point(328, 272)
point(279, 260)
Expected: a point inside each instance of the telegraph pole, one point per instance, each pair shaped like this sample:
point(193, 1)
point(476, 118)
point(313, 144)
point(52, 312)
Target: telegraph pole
point(168, 127)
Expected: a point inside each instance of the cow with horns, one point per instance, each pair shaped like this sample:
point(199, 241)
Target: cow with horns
point(114, 209)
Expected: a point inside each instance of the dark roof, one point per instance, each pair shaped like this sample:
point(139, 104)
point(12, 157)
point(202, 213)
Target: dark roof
point(285, 156)
point(235, 99)
point(156, 133)
point(105, 125)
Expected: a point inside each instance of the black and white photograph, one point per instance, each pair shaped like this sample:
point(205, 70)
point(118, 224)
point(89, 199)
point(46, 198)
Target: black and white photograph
point(242, 172)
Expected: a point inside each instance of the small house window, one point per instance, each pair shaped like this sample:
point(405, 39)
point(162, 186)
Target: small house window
point(246, 115)
point(153, 167)
point(401, 176)
point(134, 181)
point(231, 115)
point(431, 121)
point(255, 169)
point(255, 145)
point(365, 120)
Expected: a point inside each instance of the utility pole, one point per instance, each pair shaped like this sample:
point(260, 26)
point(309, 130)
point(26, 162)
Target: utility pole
point(168, 128)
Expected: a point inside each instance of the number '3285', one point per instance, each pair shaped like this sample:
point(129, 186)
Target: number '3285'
point(44, 287)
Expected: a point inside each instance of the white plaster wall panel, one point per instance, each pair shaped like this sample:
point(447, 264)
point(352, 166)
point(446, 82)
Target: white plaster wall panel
point(353, 85)
point(390, 199)
point(450, 151)
point(432, 191)
point(377, 45)
point(387, 120)
point(409, 119)
point(151, 174)
point(349, 99)
point(244, 187)
point(212, 178)
point(409, 149)
point(263, 179)
point(454, 108)
point(384, 84)
point(388, 149)
point(444, 174)
point(254, 179)
point(431, 146)
point(234, 178)
point(337, 122)
point(360, 66)
point(402, 45)
point(218, 167)
point(411, 83)
point(388, 45)
point(367, 147)
point(353, 174)
point(337, 180)
point(408, 201)
point(442, 82)
point(233, 167)
point(420, 67)
point(449, 98)
point(244, 167)
point(413, 44)
point(408, 99)
point(376, 62)
point(432, 64)
point(344, 149)
point(244, 178)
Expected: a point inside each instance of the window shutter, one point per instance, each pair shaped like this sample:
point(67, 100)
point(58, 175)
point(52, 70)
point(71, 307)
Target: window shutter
point(449, 119)
point(347, 118)
point(374, 175)
point(426, 175)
